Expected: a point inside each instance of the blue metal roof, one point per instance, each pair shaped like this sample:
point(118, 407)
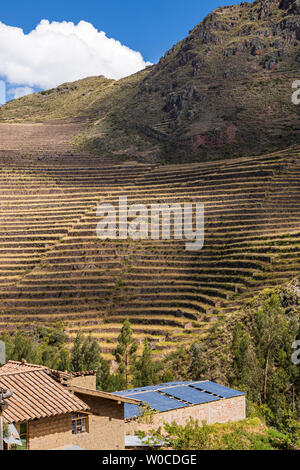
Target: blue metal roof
point(173, 395)
point(131, 411)
point(217, 389)
point(123, 393)
point(189, 394)
point(158, 401)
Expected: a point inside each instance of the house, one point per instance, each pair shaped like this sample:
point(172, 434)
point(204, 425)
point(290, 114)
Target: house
point(179, 401)
point(52, 410)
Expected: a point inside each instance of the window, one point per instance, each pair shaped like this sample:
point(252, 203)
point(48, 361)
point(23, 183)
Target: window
point(24, 436)
point(80, 423)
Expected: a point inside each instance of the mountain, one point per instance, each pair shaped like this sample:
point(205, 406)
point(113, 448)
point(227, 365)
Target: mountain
point(223, 91)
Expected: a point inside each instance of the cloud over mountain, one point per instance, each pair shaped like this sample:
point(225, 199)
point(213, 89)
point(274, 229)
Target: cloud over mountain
point(55, 52)
point(19, 91)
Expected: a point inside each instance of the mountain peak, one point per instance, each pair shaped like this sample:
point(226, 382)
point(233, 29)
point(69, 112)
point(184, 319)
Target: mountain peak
point(267, 7)
point(224, 90)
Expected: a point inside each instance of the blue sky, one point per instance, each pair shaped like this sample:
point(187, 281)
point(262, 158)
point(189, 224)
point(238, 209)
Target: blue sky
point(148, 27)
point(151, 27)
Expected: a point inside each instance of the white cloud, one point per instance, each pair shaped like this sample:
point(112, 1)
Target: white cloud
point(2, 92)
point(20, 91)
point(55, 52)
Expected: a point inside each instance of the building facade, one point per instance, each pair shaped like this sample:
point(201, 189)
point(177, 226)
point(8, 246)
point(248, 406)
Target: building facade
point(51, 410)
point(178, 402)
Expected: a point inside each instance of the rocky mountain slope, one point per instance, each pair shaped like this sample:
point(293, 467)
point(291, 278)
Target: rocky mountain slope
point(225, 90)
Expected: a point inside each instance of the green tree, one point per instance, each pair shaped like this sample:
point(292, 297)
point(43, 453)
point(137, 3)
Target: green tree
point(167, 376)
point(124, 353)
point(91, 353)
point(64, 360)
point(105, 380)
point(262, 364)
point(86, 353)
point(144, 369)
point(198, 366)
point(43, 345)
point(177, 363)
point(290, 428)
point(23, 348)
point(268, 335)
point(246, 374)
point(76, 361)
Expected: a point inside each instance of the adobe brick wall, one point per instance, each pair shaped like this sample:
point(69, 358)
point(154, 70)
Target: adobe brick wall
point(88, 381)
point(106, 428)
point(49, 433)
point(106, 425)
point(220, 411)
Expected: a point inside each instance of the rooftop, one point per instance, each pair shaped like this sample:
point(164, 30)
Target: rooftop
point(36, 393)
point(101, 394)
point(174, 395)
point(40, 392)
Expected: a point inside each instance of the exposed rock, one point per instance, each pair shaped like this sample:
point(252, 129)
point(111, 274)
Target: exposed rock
point(234, 49)
point(197, 65)
point(175, 102)
point(256, 46)
point(271, 62)
point(290, 28)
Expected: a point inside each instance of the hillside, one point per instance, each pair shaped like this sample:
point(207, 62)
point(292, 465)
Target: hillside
point(223, 91)
point(249, 434)
point(53, 267)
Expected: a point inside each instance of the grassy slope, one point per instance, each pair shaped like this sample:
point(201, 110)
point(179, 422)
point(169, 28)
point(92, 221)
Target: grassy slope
point(249, 434)
point(77, 99)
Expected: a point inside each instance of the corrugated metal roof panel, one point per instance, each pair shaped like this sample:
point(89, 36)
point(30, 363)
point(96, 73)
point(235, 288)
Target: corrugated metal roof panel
point(217, 389)
point(157, 401)
point(148, 388)
point(189, 394)
point(131, 411)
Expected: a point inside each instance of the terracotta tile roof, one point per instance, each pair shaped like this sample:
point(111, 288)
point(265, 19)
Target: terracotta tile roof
point(36, 393)
point(13, 366)
point(59, 376)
